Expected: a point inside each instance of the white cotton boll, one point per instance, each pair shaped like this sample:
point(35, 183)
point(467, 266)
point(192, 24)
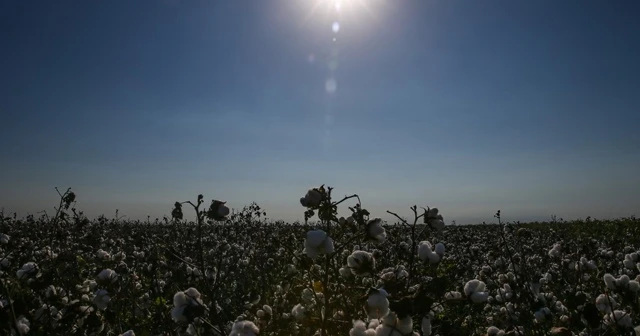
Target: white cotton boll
point(479, 297)
point(473, 286)
point(622, 281)
point(494, 331)
point(23, 325)
point(359, 329)
point(426, 253)
point(405, 325)
point(375, 230)
point(623, 318)
point(634, 286)
point(298, 312)
point(244, 328)
point(4, 238)
point(28, 270)
point(361, 263)
point(345, 272)
point(267, 309)
point(182, 300)
point(453, 295)
point(609, 281)
point(440, 249)
point(103, 255)
point(107, 275)
point(555, 251)
point(317, 243)
point(378, 304)
point(101, 299)
point(128, 333)
point(374, 323)
point(629, 264)
point(425, 326)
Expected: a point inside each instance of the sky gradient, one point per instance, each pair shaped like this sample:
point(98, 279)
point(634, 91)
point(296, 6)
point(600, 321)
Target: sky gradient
point(531, 107)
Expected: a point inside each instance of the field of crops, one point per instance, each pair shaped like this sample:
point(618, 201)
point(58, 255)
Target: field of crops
point(236, 274)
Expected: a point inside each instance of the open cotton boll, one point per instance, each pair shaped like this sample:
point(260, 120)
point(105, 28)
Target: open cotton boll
point(555, 251)
point(23, 326)
point(609, 281)
point(425, 326)
point(361, 263)
point(377, 303)
point(101, 299)
point(604, 304)
point(244, 328)
point(27, 270)
point(375, 231)
point(494, 331)
point(312, 199)
point(426, 253)
point(299, 312)
point(128, 333)
point(182, 301)
point(107, 275)
point(474, 289)
point(622, 318)
point(317, 243)
point(360, 329)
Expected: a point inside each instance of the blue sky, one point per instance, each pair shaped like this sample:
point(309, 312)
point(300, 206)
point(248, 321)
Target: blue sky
point(531, 107)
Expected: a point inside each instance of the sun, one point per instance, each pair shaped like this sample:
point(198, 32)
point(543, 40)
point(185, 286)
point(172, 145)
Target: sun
point(343, 8)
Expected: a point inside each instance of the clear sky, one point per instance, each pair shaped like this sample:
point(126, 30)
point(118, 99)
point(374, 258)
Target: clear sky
point(532, 107)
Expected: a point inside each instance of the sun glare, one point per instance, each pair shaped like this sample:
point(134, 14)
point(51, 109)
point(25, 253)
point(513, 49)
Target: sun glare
point(343, 8)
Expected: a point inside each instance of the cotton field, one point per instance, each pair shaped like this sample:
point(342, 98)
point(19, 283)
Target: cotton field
point(237, 274)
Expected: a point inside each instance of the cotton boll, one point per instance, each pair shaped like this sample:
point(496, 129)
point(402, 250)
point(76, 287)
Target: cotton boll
point(622, 281)
point(23, 325)
point(101, 299)
point(493, 331)
point(28, 270)
point(345, 272)
point(629, 264)
point(312, 199)
point(426, 253)
point(473, 286)
point(604, 304)
point(405, 325)
point(425, 326)
point(299, 312)
point(377, 303)
point(623, 319)
point(244, 328)
point(375, 232)
point(361, 263)
point(107, 275)
point(359, 329)
point(267, 309)
point(609, 281)
point(183, 300)
point(318, 243)
point(479, 297)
